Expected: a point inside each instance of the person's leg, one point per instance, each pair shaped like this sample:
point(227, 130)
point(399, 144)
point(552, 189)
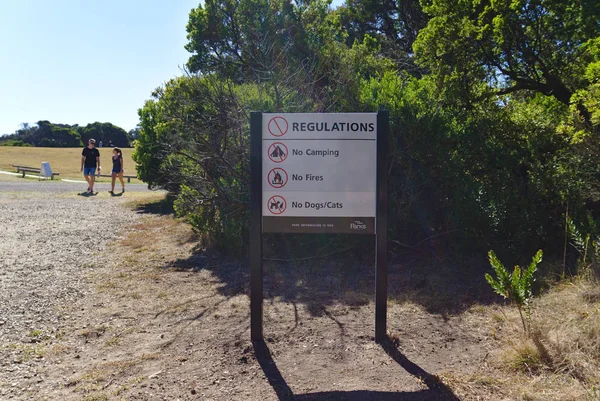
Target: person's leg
point(113, 178)
point(86, 175)
point(122, 182)
point(92, 180)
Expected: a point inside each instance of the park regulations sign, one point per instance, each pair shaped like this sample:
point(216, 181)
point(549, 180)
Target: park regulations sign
point(319, 172)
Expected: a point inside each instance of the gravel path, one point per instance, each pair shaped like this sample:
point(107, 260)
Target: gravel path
point(48, 242)
point(59, 186)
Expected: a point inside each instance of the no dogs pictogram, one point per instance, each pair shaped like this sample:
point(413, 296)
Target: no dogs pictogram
point(277, 178)
point(276, 204)
point(277, 152)
point(278, 126)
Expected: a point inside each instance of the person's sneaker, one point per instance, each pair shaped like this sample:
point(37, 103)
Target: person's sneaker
point(111, 192)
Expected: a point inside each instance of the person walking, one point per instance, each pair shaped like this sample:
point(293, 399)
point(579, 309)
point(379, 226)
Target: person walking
point(90, 159)
point(117, 170)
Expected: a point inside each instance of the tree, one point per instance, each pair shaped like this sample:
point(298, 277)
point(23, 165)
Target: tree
point(233, 37)
point(134, 133)
point(56, 135)
point(194, 142)
point(107, 133)
point(395, 23)
point(521, 45)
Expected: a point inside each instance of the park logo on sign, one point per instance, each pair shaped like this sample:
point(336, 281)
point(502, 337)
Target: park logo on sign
point(358, 225)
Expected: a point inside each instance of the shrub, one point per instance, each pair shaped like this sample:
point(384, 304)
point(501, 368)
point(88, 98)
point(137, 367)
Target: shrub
point(515, 287)
point(14, 142)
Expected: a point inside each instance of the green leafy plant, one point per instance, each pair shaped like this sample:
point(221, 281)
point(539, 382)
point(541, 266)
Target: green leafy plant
point(588, 245)
point(515, 287)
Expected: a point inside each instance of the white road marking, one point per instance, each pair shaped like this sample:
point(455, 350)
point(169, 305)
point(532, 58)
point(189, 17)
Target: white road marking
point(19, 174)
point(67, 180)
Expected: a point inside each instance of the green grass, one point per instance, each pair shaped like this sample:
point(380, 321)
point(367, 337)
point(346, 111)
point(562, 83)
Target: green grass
point(66, 161)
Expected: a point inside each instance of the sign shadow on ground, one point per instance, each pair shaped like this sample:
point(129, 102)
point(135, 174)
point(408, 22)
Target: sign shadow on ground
point(436, 389)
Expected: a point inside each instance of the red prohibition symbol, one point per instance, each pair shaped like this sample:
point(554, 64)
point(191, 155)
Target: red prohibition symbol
point(277, 152)
point(277, 177)
point(276, 204)
point(278, 126)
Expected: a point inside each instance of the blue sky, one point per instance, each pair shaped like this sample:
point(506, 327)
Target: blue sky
point(81, 61)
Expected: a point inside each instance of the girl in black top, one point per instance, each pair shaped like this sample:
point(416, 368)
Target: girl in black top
point(117, 170)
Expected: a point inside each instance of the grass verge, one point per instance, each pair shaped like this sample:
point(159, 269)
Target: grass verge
point(561, 358)
point(66, 161)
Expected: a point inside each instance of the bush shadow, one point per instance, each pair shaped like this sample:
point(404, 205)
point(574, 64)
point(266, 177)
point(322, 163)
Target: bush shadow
point(347, 275)
point(162, 207)
point(319, 270)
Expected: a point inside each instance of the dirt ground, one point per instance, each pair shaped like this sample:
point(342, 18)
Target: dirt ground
point(155, 319)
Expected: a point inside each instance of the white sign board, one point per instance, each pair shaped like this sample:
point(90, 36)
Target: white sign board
point(45, 170)
point(321, 168)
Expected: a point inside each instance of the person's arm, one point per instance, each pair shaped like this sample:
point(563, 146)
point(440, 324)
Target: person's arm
point(98, 161)
point(122, 166)
point(82, 161)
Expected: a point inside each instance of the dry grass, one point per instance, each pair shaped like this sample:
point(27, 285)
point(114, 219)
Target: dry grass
point(10, 178)
point(66, 161)
point(561, 358)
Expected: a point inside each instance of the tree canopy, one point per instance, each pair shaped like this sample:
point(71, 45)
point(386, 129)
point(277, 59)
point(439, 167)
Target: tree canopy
point(520, 45)
point(106, 133)
point(47, 134)
point(494, 110)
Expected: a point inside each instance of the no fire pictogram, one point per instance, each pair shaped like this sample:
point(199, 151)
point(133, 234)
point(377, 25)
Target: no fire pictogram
point(276, 204)
point(277, 178)
point(278, 152)
point(278, 126)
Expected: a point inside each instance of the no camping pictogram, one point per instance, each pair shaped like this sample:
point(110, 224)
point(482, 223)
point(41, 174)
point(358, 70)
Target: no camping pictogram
point(276, 204)
point(278, 126)
point(277, 152)
point(277, 178)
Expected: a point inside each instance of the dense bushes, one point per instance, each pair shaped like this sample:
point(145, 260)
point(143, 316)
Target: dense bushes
point(194, 142)
point(14, 142)
point(470, 157)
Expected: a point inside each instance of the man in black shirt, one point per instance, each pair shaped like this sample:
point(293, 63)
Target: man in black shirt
point(90, 158)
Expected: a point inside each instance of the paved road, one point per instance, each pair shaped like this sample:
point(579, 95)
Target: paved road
point(59, 186)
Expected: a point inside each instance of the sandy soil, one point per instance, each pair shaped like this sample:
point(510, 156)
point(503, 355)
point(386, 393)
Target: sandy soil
point(145, 316)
